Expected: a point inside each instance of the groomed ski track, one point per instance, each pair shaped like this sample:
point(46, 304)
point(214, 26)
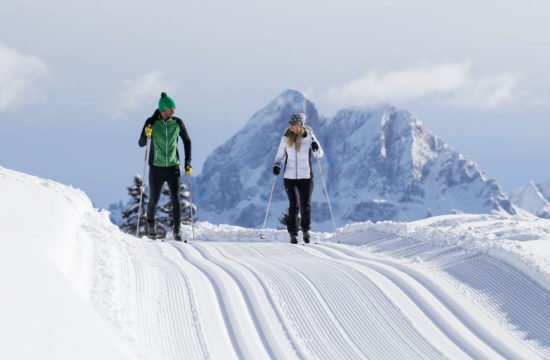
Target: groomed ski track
point(261, 300)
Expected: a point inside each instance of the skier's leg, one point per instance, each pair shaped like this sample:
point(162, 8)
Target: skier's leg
point(292, 223)
point(305, 189)
point(155, 184)
point(174, 181)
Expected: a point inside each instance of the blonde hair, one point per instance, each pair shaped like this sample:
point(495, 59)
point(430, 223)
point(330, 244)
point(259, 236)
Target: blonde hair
point(293, 139)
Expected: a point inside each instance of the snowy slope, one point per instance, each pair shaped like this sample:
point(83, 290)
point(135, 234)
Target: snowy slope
point(461, 286)
point(380, 164)
point(535, 198)
point(45, 305)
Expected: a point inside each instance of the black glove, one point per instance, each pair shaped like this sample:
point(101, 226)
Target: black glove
point(314, 146)
point(276, 170)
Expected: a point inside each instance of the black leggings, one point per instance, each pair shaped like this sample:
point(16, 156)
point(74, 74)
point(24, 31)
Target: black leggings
point(157, 177)
point(298, 191)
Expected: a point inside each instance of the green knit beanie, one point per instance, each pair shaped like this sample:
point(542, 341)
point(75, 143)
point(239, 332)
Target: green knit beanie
point(166, 102)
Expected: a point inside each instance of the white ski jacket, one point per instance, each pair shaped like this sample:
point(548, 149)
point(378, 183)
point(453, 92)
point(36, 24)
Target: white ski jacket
point(298, 163)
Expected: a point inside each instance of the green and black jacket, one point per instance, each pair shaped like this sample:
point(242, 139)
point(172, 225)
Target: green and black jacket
point(164, 141)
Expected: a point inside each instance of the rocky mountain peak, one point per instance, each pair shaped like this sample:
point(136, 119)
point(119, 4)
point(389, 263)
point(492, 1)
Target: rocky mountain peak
point(380, 163)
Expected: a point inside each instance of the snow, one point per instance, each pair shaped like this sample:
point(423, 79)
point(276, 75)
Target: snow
point(533, 198)
point(43, 307)
point(454, 286)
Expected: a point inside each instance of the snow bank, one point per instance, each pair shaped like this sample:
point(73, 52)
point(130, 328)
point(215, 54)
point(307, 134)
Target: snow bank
point(43, 314)
point(520, 241)
point(205, 231)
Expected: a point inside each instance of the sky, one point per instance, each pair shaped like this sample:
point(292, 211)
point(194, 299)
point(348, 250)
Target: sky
point(78, 78)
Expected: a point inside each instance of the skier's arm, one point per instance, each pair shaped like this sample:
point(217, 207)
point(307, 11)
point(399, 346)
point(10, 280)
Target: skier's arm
point(186, 143)
point(319, 152)
point(143, 138)
point(281, 153)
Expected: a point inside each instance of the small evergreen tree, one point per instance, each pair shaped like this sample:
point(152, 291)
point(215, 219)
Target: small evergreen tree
point(188, 209)
point(284, 219)
point(130, 214)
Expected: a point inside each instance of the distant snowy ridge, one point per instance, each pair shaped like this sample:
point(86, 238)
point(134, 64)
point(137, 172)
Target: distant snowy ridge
point(380, 164)
point(535, 198)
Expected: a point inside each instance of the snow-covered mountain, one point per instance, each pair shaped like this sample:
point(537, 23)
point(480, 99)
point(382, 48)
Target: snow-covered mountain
point(234, 185)
point(533, 197)
point(380, 164)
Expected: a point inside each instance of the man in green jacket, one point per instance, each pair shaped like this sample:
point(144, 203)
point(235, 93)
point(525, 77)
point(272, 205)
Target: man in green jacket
point(164, 129)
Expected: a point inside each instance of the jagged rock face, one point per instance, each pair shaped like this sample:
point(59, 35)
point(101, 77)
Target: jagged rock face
point(395, 169)
point(379, 164)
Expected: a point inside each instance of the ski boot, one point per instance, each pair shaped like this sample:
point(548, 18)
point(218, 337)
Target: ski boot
point(151, 229)
point(177, 234)
point(306, 236)
point(294, 238)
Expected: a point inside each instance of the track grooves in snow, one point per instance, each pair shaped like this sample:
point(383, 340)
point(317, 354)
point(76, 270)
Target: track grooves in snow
point(176, 334)
point(274, 335)
point(412, 318)
point(524, 304)
point(315, 304)
point(307, 293)
point(433, 315)
point(307, 310)
point(244, 333)
point(358, 309)
point(330, 301)
point(514, 299)
point(474, 325)
point(389, 324)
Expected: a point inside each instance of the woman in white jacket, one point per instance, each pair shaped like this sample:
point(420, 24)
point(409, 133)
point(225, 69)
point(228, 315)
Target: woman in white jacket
point(295, 150)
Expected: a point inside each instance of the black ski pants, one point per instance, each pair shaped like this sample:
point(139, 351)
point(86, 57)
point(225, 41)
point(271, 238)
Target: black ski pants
point(299, 199)
point(157, 177)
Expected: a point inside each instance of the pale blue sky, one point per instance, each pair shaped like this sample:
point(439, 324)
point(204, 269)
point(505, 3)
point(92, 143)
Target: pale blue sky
point(78, 78)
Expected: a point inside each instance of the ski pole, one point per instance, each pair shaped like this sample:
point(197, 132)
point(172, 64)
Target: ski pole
point(262, 236)
point(142, 186)
point(326, 192)
point(191, 207)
